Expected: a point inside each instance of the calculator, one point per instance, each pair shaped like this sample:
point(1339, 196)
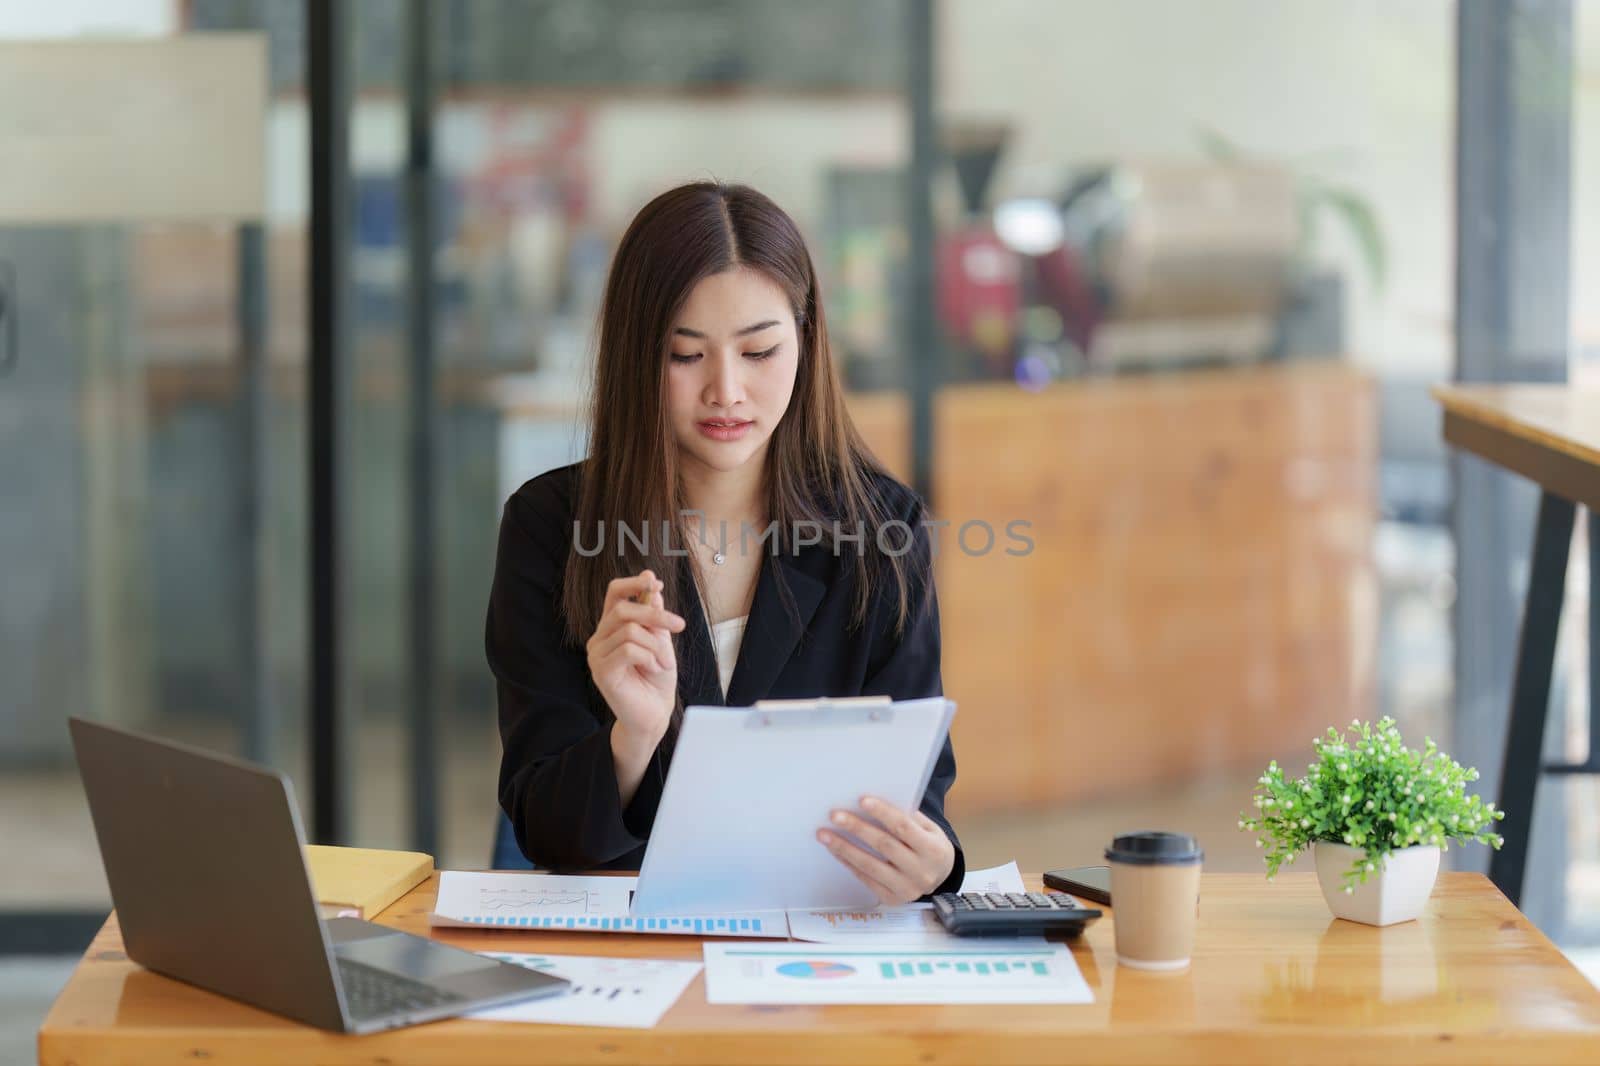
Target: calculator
point(1012, 913)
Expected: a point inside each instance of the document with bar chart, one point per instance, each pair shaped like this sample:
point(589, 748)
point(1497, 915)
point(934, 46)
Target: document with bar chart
point(623, 993)
point(578, 904)
point(907, 924)
point(1000, 972)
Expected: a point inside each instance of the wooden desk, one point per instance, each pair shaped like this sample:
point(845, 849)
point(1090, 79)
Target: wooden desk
point(1549, 434)
point(1274, 980)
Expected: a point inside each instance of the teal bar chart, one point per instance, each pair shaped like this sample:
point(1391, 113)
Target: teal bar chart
point(1005, 972)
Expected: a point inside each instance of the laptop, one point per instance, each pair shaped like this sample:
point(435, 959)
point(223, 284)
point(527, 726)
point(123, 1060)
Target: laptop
point(208, 876)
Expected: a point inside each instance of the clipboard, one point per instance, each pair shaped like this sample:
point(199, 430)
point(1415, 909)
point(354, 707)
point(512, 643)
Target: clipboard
point(749, 788)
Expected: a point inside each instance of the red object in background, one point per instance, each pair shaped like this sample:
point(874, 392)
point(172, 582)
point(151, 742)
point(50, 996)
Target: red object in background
point(1064, 285)
point(535, 157)
point(980, 294)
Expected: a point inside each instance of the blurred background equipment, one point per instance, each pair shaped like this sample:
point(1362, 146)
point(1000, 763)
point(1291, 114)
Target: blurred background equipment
point(1134, 264)
point(1197, 266)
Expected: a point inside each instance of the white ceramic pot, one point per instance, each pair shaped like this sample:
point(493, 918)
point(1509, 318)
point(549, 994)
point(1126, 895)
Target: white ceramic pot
point(1395, 892)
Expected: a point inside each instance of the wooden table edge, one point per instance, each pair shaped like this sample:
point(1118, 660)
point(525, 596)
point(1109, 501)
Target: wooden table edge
point(1557, 463)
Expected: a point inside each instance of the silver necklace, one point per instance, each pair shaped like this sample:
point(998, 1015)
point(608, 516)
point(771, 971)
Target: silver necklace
point(719, 554)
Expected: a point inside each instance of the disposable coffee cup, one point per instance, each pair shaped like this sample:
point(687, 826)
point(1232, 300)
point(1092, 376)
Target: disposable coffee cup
point(1155, 897)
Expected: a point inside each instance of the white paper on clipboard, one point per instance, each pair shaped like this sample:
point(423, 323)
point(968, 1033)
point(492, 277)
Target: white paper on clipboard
point(749, 788)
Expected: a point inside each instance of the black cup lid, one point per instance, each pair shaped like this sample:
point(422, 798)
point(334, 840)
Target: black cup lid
point(1151, 848)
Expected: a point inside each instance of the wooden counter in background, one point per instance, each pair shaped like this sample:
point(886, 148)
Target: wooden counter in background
point(1200, 595)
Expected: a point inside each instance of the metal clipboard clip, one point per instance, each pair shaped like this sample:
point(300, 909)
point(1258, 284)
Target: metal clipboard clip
point(802, 713)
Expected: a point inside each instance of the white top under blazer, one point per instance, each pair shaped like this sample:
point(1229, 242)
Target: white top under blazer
point(726, 638)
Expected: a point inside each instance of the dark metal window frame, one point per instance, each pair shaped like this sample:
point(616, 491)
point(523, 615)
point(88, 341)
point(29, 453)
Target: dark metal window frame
point(328, 98)
point(1514, 68)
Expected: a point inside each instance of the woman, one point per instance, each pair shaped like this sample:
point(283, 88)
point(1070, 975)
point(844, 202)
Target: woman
point(624, 590)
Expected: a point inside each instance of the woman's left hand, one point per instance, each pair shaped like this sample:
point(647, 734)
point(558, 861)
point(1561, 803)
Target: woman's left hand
point(917, 856)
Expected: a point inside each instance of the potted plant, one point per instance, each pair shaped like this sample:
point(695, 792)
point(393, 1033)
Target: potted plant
point(1376, 815)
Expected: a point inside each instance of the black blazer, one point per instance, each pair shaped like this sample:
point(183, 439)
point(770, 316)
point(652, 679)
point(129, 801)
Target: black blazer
point(557, 779)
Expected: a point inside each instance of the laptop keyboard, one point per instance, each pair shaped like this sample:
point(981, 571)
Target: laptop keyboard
point(371, 993)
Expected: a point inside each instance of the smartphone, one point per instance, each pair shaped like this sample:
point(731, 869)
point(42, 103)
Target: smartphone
point(1085, 882)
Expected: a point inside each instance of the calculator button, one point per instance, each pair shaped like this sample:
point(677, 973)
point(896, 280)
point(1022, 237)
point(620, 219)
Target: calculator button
point(1038, 899)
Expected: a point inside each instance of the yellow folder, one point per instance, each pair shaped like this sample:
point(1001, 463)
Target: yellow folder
point(363, 881)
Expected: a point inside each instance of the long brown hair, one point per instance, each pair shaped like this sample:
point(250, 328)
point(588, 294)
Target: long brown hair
point(818, 468)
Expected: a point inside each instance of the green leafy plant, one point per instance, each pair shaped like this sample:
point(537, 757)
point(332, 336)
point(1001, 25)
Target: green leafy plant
point(1368, 790)
point(1318, 197)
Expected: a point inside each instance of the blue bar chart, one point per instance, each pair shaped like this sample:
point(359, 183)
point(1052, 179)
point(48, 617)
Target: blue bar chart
point(559, 902)
point(753, 925)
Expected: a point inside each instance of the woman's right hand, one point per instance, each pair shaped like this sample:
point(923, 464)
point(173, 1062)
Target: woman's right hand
point(632, 660)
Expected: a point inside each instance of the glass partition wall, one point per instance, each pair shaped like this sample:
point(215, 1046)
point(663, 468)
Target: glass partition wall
point(151, 418)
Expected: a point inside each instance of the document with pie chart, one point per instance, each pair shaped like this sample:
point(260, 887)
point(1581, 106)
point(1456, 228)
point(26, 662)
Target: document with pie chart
point(998, 971)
